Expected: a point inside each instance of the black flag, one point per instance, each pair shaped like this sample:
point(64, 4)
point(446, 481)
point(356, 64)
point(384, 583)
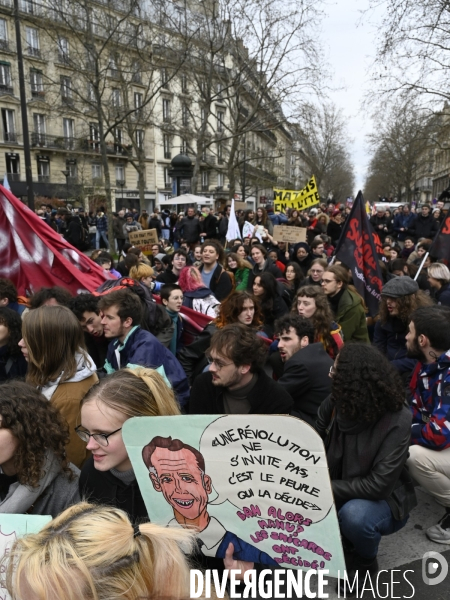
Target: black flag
point(357, 248)
point(440, 248)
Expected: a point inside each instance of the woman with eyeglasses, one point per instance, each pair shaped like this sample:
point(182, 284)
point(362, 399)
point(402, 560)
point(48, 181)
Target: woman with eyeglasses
point(107, 476)
point(36, 476)
point(315, 273)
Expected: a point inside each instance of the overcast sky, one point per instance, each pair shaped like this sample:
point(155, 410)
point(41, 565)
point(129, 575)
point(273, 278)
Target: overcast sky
point(351, 44)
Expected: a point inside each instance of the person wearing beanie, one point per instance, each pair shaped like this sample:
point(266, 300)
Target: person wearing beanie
point(400, 297)
point(302, 256)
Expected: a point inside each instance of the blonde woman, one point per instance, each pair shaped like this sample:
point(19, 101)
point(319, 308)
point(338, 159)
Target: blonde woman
point(59, 365)
point(93, 553)
point(107, 476)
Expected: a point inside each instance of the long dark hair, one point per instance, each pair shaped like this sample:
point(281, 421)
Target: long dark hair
point(12, 321)
point(365, 385)
point(269, 285)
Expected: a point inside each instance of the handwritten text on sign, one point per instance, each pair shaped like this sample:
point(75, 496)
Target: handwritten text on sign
point(285, 233)
point(144, 239)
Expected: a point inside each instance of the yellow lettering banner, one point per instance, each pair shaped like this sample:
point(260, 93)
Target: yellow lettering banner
point(299, 200)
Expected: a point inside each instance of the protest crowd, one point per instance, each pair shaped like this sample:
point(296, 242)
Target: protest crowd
point(212, 324)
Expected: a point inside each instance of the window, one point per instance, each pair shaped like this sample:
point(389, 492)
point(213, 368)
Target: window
point(120, 174)
point(220, 154)
point(139, 137)
point(12, 166)
point(164, 78)
point(220, 120)
point(205, 180)
point(28, 6)
point(3, 35)
point(113, 71)
point(220, 179)
point(96, 172)
point(63, 50)
point(37, 83)
point(219, 91)
point(184, 115)
point(32, 37)
point(138, 101)
point(43, 168)
point(69, 133)
point(166, 110)
point(39, 129)
point(5, 77)
point(167, 179)
point(90, 92)
point(71, 166)
point(94, 137)
point(66, 90)
point(184, 84)
point(116, 98)
point(9, 125)
point(118, 140)
point(167, 146)
point(136, 76)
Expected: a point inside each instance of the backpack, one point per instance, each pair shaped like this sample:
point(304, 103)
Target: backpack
point(155, 317)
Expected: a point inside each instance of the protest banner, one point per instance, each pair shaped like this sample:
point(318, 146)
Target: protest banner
point(11, 528)
point(144, 239)
point(261, 484)
point(358, 248)
point(284, 233)
point(300, 200)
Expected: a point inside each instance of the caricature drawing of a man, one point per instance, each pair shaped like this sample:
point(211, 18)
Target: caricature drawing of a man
point(177, 470)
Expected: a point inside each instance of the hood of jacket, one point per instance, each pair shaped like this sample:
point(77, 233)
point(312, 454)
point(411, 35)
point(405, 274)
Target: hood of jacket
point(85, 368)
point(200, 293)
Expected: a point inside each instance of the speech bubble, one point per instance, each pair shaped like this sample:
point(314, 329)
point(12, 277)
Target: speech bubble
point(271, 462)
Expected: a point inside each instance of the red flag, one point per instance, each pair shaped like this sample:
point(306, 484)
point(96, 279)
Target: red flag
point(32, 255)
point(357, 248)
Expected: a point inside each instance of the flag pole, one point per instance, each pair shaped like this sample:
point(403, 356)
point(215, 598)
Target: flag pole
point(421, 265)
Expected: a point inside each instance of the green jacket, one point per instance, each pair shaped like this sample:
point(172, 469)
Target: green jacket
point(352, 318)
point(241, 279)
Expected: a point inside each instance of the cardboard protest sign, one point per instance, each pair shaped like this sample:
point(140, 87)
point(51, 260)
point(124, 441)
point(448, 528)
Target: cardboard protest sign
point(261, 483)
point(300, 200)
point(240, 205)
point(284, 233)
point(144, 239)
point(13, 527)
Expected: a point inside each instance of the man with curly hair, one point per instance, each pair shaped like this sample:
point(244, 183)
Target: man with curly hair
point(366, 427)
point(428, 340)
point(85, 308)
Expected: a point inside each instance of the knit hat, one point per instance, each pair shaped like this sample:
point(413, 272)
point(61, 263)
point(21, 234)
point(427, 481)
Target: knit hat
point(400, 286)
point(303, 245)
point(160, 256)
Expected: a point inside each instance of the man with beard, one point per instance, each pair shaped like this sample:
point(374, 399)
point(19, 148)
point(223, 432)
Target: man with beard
point(428, 340)
point(236, 382)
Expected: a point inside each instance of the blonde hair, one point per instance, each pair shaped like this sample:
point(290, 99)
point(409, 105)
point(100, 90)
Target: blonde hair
point(140, 271)
point(137, 392)
point(53, 336)
point(91, 552)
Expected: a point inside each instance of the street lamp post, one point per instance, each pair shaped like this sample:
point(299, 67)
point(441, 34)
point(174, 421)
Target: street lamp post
point(121, 183)
point(66, 175)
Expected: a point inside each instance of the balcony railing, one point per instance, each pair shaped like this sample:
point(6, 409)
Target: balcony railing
point(6, 89)
point(10, 136)
point(43, 140)
point(38, 94)
point(13, 176)
point(31, 51)
point(43, 178)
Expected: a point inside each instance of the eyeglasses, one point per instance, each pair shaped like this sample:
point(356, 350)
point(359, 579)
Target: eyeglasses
point(100, 438)
point(332, 371)
point(219, 364)
point(316, 270)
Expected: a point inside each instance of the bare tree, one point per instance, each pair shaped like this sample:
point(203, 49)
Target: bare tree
point(326, 143)
point(404, 136)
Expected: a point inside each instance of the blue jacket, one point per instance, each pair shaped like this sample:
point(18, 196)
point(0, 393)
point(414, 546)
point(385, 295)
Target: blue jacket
point(404, 221)
point(442, 296)
point(390, 339)
point(142, 348)
point(243, 551)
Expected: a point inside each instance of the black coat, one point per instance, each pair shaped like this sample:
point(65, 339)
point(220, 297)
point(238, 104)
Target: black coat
point(269, 267)
point(101, 487)
point(305, 378)
point(424, 227)
point(334, 231)
point(189, 229)
point(265, 398)
point(209, 226)
point(220, 284)
point(192, 358)
point(373, 457)
point(443, 295)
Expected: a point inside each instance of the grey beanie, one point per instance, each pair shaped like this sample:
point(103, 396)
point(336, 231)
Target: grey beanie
point(160, 256)
point(400, 286)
